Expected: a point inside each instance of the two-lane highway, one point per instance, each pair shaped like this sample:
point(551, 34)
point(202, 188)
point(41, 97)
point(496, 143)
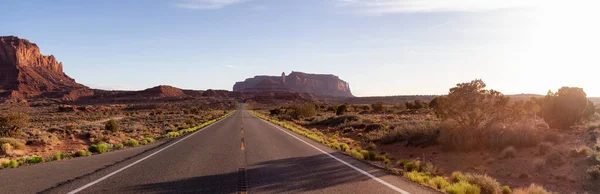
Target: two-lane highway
point(238, 154)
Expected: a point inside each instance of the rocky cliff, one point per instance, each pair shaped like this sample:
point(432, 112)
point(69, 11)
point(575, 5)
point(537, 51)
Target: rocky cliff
point(320, 84)
point(25, 72)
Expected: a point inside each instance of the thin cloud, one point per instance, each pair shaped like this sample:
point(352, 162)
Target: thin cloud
point(206, 4)
point(230, 66)
point(415, 6)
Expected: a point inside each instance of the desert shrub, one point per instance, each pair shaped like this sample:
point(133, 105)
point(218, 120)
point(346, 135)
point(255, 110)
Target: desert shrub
point(488, 185)
point(344, 147)
point(6, 148)
point(189, 122)
point(13, 142)
point(532, 189)
point(149, 139)
point(594, 171)
point(401, 162)
point(341, 109)
point(581, 151)
point(34, 159)
point(416, 104)
point(82, 153)
point(119, 146)
point(274, 112)
point(544, 148)
point(340, 121)
point(411, 166)
point(508, 152)
point(306, 110)
point(417, 177)
point(555, 158)
point(98, 148)
point(566, 107)
point(414, 133)
point(357, 154)
point(457, 176)
point(172, 134)
point(59, 156)
point(439, 182)
point(11, 124)
point(378, 107)
point(11, 164)
point(112, 126)
point(463, 187)
point(133, 142)
point(506, 190)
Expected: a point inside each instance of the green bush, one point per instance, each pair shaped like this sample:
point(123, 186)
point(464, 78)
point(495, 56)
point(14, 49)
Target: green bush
point(488, 185)
point(357, 154)
point(82, 153)
point(172, 134)
point(11, 124)
point(12, 164)
point(58, 156)
point(6, 148)
point(133, 142)
point(439, 182)
point(417, 177)
point(594, 172)
point(412, 166)
point(112, 126)
point(506, 190)
point(149, 139)
point(306, 110)
point(13, 142)
point(508, 152)
point(100, 148)
point(34, 159)
point(457, 176)
point(566, 107)
point(463, 187)
point(119, 146)
point(344, 147)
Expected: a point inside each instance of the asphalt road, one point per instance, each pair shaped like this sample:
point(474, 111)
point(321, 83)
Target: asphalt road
point(240, 153)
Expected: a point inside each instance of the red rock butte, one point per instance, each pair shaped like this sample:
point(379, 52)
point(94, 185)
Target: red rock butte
point(25, 72)
point(319, 84)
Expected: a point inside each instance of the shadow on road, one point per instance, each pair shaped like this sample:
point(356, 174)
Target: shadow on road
point(293, 175)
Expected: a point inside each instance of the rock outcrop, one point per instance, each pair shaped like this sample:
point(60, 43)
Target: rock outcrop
point(319, 84)
point(163, 91)
point(26, 73)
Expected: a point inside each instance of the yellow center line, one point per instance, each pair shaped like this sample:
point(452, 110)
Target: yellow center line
point(242, 147)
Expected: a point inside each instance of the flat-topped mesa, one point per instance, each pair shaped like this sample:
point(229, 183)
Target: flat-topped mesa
point(320, 84)
point(25, 70)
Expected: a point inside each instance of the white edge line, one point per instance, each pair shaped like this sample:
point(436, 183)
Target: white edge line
point(140, 160)
point(340, 160)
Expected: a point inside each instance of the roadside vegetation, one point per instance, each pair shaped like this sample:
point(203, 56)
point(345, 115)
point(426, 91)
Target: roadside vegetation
point(502, 145)
point(35, 137)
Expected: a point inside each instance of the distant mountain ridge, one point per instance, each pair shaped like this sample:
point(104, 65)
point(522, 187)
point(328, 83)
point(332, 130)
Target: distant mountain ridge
point(318, 84)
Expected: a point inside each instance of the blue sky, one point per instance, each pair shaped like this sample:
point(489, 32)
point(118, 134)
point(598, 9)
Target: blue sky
point(381, 47)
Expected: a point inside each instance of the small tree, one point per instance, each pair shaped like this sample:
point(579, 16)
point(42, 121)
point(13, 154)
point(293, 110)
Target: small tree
point(566, 107)
point(378, 107)
point(112, 125)
point(11, 124)
point(306, 110)
point(341, 109)
point(472, 106)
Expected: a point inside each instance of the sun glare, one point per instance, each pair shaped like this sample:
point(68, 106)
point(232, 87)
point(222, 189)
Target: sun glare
point(561, 47)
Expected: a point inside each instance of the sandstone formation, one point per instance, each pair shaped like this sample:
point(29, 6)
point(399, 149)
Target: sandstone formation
point(319, 84)
point(163, 91)
point(26, 73)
